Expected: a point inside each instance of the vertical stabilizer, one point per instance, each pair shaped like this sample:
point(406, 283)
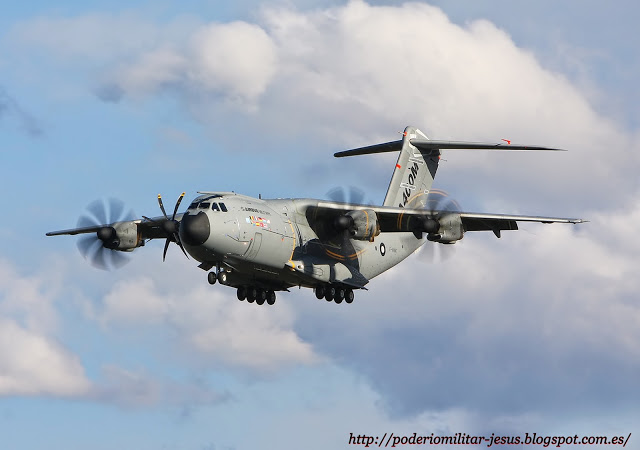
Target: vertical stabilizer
point(413, 174)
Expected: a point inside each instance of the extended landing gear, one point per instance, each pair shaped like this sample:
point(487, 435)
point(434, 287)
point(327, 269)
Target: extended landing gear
point(258, 295)
point(334, 293)
point(249, 293)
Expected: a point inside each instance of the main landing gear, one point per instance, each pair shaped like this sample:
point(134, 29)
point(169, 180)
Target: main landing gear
point(336, 293)
point(250, 293)
point(258, 295)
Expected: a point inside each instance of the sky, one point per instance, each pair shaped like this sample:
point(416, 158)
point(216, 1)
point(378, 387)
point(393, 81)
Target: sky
point(536, 332)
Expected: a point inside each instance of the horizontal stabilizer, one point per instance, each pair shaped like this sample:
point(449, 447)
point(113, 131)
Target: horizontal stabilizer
point(430, 145)
point(457, 145)
point(392, 146)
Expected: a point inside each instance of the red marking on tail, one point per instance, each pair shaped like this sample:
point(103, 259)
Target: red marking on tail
point(507, 141)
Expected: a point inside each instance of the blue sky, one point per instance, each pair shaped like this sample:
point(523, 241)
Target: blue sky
point(536, 332)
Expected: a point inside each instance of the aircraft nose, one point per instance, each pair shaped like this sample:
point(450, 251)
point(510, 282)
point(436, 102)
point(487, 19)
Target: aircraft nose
point(195, 229)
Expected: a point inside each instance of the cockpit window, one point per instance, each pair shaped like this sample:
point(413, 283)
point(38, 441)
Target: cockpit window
point(214, 207)
point(223, 207)
point(204, 205)
point(194, 205)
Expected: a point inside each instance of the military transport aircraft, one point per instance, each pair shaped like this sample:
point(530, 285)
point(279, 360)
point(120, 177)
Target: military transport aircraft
point(261, 246)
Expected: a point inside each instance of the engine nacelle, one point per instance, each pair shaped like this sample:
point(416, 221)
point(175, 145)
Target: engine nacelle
point(365, 224)
point(121, 236)
point(451, 230)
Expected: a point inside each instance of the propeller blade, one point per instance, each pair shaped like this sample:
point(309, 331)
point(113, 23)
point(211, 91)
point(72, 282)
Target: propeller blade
point(97, 259)
point(86, 221)
point(356, 195)
point(166, 247)
point(98, 209)
point(116, 207)
point(353, 195)
point(162, 207)
point(337, 195)
point(177, 237)
point(175, 210)
point(85, 243)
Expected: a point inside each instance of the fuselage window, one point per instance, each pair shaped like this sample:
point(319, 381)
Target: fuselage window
point(214, 207)
point(205, 205)
point(223, 207)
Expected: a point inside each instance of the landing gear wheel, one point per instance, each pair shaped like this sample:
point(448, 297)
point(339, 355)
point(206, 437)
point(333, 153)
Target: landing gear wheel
point(330, 292)
point(339, 295)
point(261, 297)
point(222, 277)
point(251, 295)
point(212, 277)
point(349, 296)
point(271, 297)
point(320, 291)
point(242, 293)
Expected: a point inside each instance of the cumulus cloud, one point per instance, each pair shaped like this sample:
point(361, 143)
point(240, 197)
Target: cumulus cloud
point(353, 74)
point(32, 364)
point(32, 361)
point(139, 389)
point(543, 320)
point(219, 329)
point(231, 61)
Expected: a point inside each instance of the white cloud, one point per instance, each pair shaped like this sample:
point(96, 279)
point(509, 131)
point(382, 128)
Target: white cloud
point(139, 389)
point(354, 74)
point(32, 364)
point(532, 321)
point(218, 328)
point(32, 361)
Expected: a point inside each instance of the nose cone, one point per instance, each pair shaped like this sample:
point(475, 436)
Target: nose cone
point(195, 229)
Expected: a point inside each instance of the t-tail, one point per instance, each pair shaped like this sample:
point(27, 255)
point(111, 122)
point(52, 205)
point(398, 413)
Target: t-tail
point(414, 171)
point(418, 162)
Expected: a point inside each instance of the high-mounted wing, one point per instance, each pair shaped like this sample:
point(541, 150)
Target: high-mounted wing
point(113, 234)
point(365, 222)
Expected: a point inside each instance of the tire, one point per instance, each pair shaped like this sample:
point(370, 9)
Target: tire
point(212, 278)
point(222, 277)
point(330, 293)
point(241, 293)
point(271, 297)
point(251, 296)
point(320, 292)
point(261, 297)
point(349, 296)
point(339, 295)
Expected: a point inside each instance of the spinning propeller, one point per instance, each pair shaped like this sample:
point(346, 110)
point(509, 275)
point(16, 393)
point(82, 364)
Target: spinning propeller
point(340, 194)
point(99, 248)
point(437, 207)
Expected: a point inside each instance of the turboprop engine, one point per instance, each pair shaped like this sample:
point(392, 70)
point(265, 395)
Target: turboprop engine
point(362, 224)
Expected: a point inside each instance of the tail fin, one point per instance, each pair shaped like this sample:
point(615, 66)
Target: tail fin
point(414, 173)
point(418, 162)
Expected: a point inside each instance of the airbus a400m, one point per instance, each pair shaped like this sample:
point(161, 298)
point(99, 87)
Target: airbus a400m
point(261, 246)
